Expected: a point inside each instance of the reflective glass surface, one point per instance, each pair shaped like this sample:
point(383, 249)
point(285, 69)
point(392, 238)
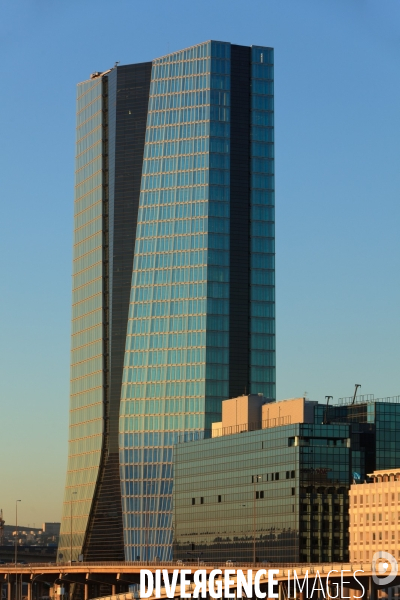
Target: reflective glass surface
point(176, 362)
point(262, 224)
point(86, 400)
point(179, 347)
point(276, 495)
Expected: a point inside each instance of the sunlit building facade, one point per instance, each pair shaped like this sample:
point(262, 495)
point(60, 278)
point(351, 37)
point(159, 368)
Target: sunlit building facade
point(201, 317)
point(173, 281)
point(111, 125)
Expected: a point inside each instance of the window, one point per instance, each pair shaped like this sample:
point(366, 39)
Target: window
point(193, 500)
point(287, 474)
point(202, 500)
point(262, 494)
point(292, 474)
point(276, 476)
point(293, 491)
point(361, 499)
point(219, 498)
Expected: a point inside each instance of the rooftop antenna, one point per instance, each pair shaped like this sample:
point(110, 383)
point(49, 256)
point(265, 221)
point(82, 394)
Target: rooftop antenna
point(325, 421)
point(355, 393)
point(116, 63)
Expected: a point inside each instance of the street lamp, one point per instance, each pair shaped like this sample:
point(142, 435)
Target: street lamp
point(16, 527)
point(70, 558)
point(16, 549)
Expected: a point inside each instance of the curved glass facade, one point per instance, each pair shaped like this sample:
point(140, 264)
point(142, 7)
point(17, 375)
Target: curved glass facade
point(111, 127)
point(187, 332)
point(87, 375)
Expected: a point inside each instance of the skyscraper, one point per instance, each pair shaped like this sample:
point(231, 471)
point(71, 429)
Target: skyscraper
point(201, 318)
point(174, 178)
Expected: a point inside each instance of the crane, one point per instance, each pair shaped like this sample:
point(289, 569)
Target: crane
point(355, 393)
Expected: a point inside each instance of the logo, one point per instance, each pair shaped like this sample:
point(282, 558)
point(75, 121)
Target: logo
point(356, 476)
point(381, 561)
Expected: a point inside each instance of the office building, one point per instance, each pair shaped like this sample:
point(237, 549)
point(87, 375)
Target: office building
point(275, 494)
point(174, 180)
point(375, 516)
point(201, 321)
point(281, 492)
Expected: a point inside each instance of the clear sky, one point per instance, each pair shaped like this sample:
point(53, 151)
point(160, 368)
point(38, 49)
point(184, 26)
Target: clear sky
point(337, 195)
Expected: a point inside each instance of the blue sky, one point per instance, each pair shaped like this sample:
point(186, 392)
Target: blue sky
point(337, 179)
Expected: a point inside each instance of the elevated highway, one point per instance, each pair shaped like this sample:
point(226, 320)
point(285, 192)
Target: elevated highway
point(322, 579)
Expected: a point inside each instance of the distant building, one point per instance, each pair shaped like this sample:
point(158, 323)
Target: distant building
point(51, 528)
point(375, 516)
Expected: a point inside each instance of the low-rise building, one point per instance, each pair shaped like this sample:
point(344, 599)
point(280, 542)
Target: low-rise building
point(274, 494)
point(375, 516)
point(275, 487)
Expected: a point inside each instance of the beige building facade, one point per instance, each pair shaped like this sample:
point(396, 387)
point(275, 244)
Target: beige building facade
point(248, 413)
point(375, 516)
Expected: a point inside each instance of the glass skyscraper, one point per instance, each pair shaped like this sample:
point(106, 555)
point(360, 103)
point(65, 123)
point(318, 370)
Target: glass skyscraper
point(175, 180)
point(201, 317)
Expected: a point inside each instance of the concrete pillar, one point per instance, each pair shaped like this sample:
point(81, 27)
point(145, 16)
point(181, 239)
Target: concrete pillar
point(113, 590)
point(86, 591)
point(371, 589)
point(9, 590)
point(280, 594)
point(29, 590)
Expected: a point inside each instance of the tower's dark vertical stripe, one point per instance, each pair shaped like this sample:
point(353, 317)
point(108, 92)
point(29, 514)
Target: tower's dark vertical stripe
point(133, 87)
point(239, 317)
point(128, 98)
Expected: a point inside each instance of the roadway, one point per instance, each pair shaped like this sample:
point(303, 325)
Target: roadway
point(119, 575)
